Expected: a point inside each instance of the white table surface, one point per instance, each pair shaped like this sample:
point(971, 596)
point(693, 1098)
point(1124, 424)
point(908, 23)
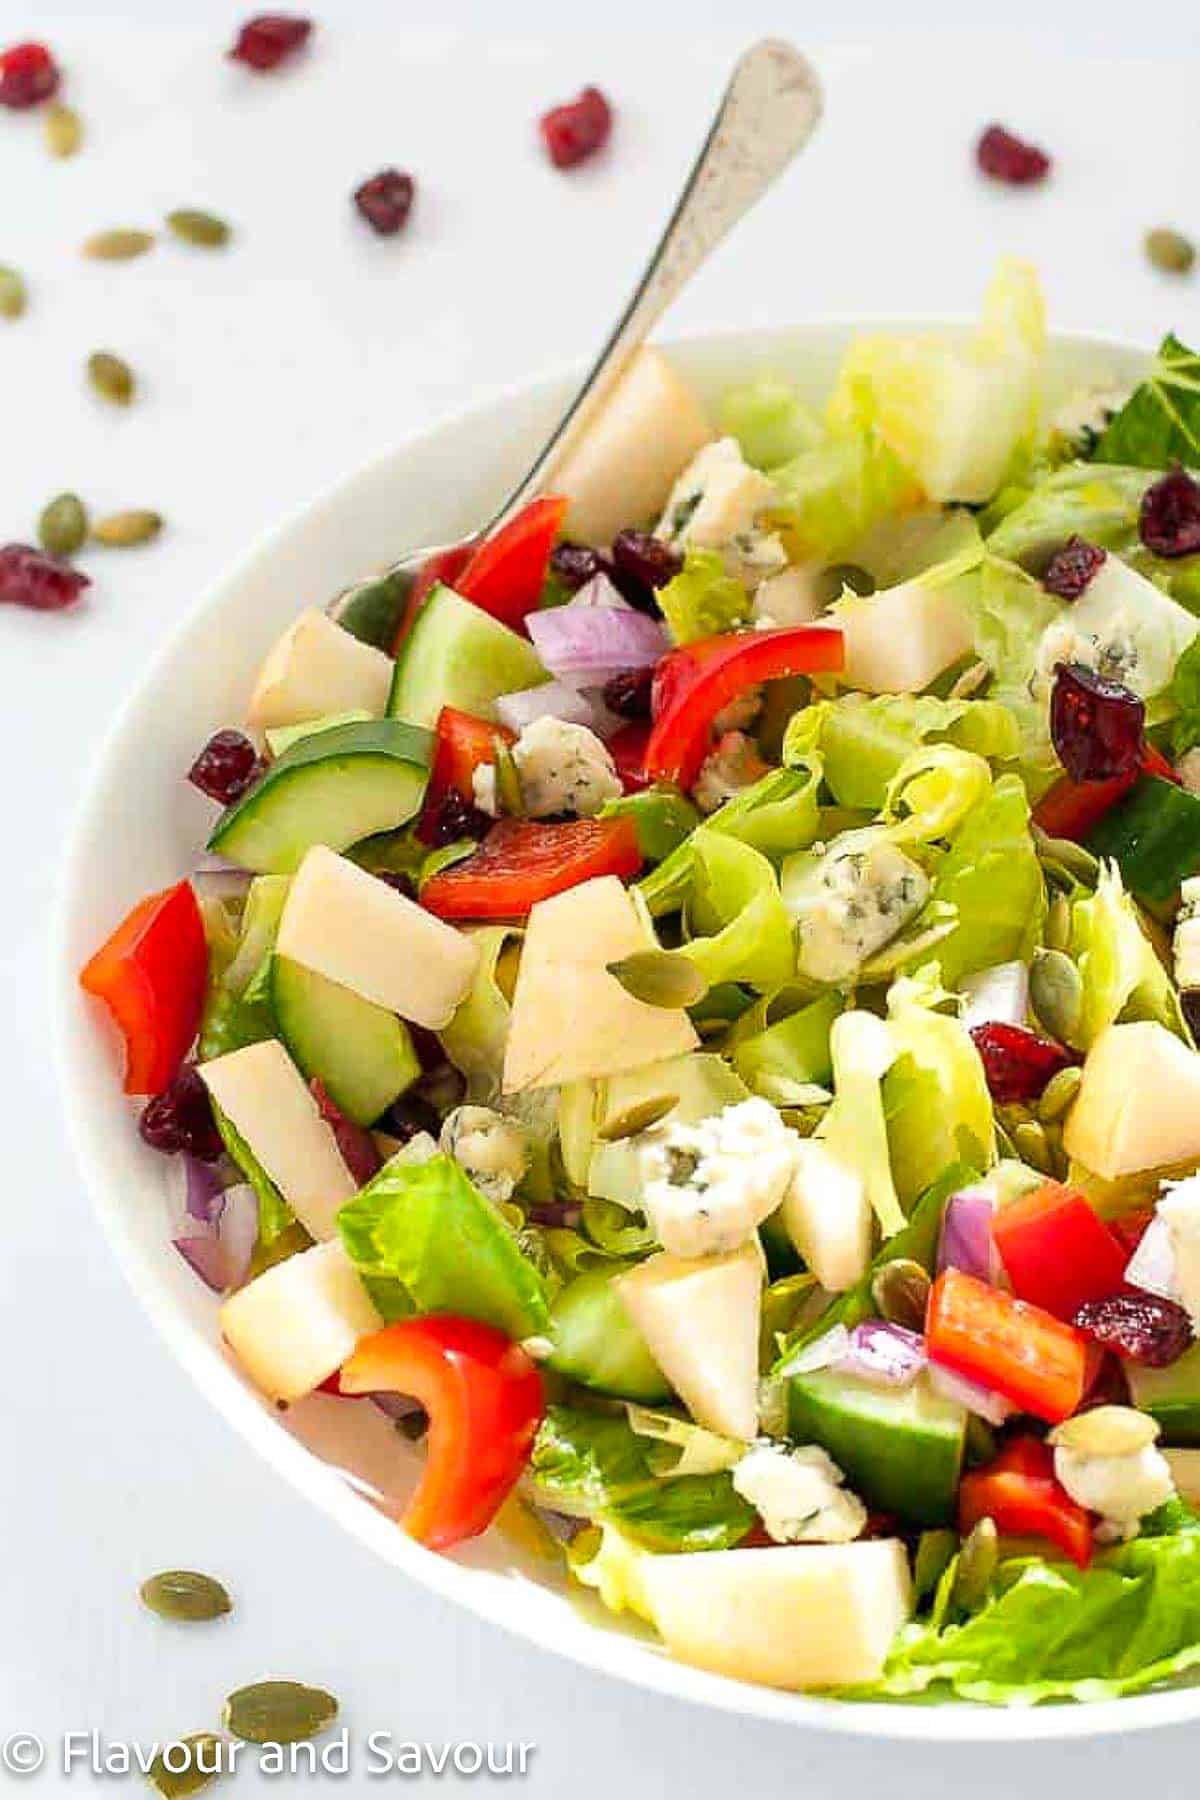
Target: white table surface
point(268, 372)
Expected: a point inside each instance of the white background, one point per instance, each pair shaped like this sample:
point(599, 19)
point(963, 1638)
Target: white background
point(271, 370)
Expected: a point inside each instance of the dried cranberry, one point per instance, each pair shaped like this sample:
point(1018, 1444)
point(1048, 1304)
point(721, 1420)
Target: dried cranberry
point(395, 878)
point(1017, 1062)
point(385, 201)
point(628, 694)
point(1071, 569)
point(456, 819)
point(1189, 1000)
point(226, 767)
point(577, 564)
point(28, 577)
point(645, 558)
point(181, 1118)
point(1008, 158)
point(28, 75)
point(1131, 1228)
point(264, 41)
point(1169, 519)
point(357, 1147)
point(576, 130)
point(1107, 1385)
point(407, 1116)
point(1142, 1327)
point(1097, 725)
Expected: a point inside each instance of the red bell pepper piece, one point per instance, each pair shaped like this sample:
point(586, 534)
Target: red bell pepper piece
point(484, 1400)
point(1057, 1253)
point(1022, 1352)
point(461, 745)
point(1131, 1228)
point(627, 748)
point(505, 574)
point(443, 565)
point(1018, 1491)
point(151, 976)
point(1072, 809)
point(697, 681)
point(521, 861)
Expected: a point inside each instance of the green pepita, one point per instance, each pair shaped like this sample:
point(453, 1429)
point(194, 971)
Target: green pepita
point(1058, 1094)
point(1058, 923)
point(833, 581)
point(1056, 993)
point(196, 227)
point(640, 1115)
point(509, 797)
point(189, 1764)
point(111, 377)
point(63, 525)
point(14, 296)
point(935, 1553)
point(900, 1290)
point(1170, 250)
point(584, 1546)
point(1031, 1144)
point(659, 978)
point(119, 245)
point(125, 530)
point(278, 1712)
point(63, 129)
point(186, 1596)
point(976, 1566)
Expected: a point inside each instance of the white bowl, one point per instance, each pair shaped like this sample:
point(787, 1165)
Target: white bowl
point(141, 827)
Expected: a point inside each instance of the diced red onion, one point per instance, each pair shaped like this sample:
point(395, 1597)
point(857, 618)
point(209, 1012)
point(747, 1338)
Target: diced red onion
point(563, 1526)
point(550, 700)
point(823, 1353)
point(967, 1242)
point(237, 1232)
point(585, 646)
point(357, 1147)
point(205, 1193)
point(601, 592)
point(999, 995)
point(984, 1402)
point(1152, 1265)
point(396, 1406)
point(889, 1355)
point(206, 1257)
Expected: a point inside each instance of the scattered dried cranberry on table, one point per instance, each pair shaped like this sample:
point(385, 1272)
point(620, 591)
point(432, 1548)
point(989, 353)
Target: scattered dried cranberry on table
point(265, 40)
point(577, 129)
point(1017, 1063)
point(1070, 569)
point(1008, 158)
point(28, 75)
point(1097, 726)
point(226, 767)
point(1169, 518)
point(28, 577)
point(1144, 1328)
point(385, 201)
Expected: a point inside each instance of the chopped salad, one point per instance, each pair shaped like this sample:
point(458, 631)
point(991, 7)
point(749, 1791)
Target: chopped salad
point(689, 1003)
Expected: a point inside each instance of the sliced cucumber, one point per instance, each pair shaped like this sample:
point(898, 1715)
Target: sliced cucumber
point(361, 1053)
point(371, 610)
point(597, 1344)
point(458, 655)
point(334, 788)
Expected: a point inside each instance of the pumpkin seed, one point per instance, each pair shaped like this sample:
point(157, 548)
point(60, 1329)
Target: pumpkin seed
point(660, 978)
point(1056, 993)
point(63, 130)
point(118, 245)
point(900, 1290)
point(509, 797)
point(111, 377)
point(14, 296)
point(976, 1566)
point(1170, 250)
point(184, 1595)
point(63, 525)
point(1029, 1140)
point(833, 581)
point(639, 1115)
point(1058, 1094)
point(1107, 1431)
point(189, 1764)
point(278, 1712)
point(935, 1553)
point(196, 227)
point(125, 530)
point(1058, 923)
point(584, 1546)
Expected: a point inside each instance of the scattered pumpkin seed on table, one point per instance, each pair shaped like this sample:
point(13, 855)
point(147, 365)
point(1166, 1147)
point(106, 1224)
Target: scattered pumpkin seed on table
point(111, 377)
point(1170, 251)
point(63, 525)
point(14, 296)
point(185, 1595)
point(206, 1755)
point(126, 530)
point(195, 227)
point(63, 130)
point(278, 1712)
point(118, 245)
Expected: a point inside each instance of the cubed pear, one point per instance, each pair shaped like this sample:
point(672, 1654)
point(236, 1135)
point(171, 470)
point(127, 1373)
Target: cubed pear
point(795, 1616)
point(316, 668)
point(625, 464)
point(700, 1319)
point(263, 1095)
point(295, 1324)
point(355, 929)
point(900, 639)
point(827, 1216)
point(1138, 1105)
point(571, 1019)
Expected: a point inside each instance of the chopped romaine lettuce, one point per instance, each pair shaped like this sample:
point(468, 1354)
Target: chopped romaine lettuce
point(831, 495)
point(1098, 502)
point(679, 1447)
point(275, 1216)
point(1121, 975)
point(1160, 422)
point(776, 815)
point(663, 818)
point(991, 877)
point(935, 1097)
point(854, 1129)
point(769, 421)
point(865, 739)
point(703, 599)
point(933, 792)
point(741, 928)
point(476, 1036)
point(1184, 696)
point(789, 1053)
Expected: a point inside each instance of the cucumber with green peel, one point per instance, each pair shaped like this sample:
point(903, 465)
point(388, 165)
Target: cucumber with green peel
point(597, 1344)
point(282, 737)
point(333, 788)
point(458, 655)
point(372, 610)
point(361, 1054)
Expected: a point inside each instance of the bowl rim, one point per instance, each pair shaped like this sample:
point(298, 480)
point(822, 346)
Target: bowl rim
point(607, 1652)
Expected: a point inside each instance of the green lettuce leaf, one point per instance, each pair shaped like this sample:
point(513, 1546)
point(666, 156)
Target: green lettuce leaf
point(832, 494)
point(593, 1464)
point(741, 926)
point(991, 877)
point(1184, 696)
point(935, 1100)
point(769, 420)
point(275, 1216)
point(1095, 501)
point(427, 1227)
point(854, 1129)
point(703, 599)
point(864, 741)
point(662, 818)
point(237, 1006)
point(1160, 422)
point(476, 1036)
point(1121, 974)
point(788, 1053)
point(775, 815)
